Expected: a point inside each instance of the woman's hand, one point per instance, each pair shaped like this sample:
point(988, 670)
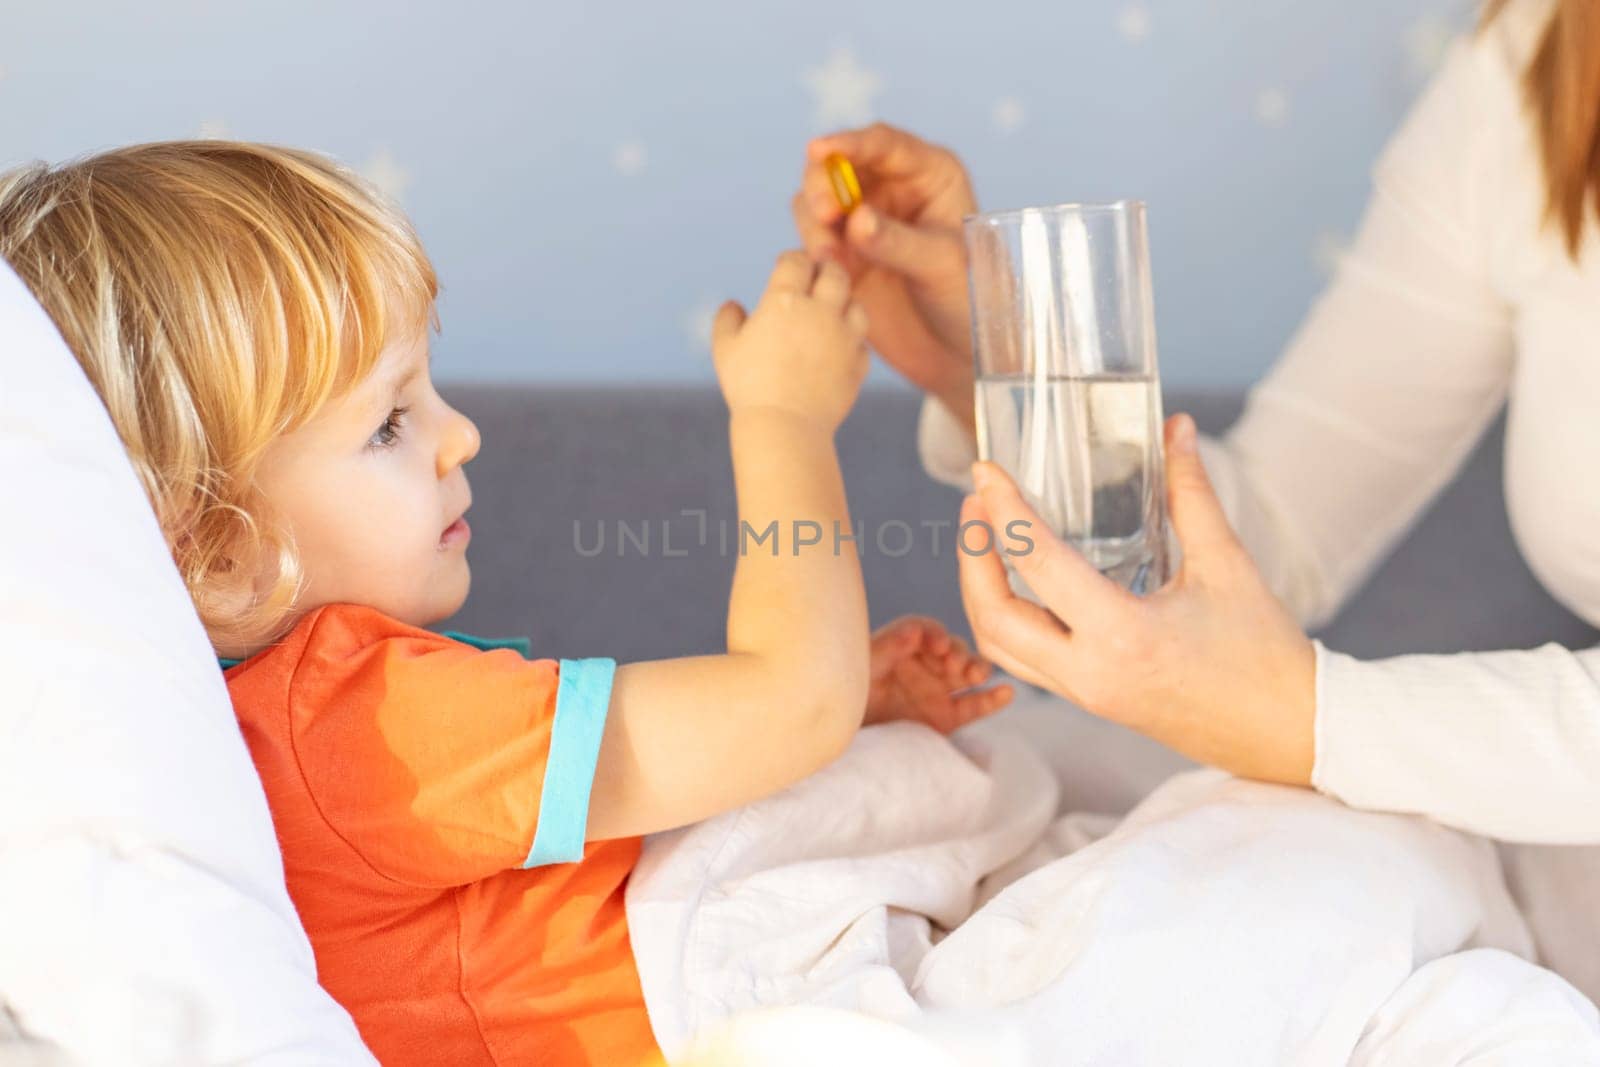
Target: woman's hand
point(919, 671)
point(1211, 665)
point(903, 249)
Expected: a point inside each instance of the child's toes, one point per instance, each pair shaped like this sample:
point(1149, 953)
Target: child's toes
point(925, 688)
point(985, 702)
point(949, 668)
point(898, 637)
point(914, 627)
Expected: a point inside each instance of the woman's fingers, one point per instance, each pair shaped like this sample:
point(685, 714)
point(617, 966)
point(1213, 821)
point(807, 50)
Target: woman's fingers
point(880, 154)
point(1018, 636)
point(884, 149)
point(1022, 671)
point(817, 195)
point(1069, 584)
point(820, 240)
point(1197, 515)
point(915, 251)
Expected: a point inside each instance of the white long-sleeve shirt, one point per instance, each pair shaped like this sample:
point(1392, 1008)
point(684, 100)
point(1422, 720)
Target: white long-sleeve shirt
point(1453, 298)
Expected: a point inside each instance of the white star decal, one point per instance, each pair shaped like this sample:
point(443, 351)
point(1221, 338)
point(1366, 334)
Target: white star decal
point(1008, 115)
point(629, 158)
point(842, 90)
point(383, 171)
point(1272, 107)
point(1133, 22)
point(697, 326)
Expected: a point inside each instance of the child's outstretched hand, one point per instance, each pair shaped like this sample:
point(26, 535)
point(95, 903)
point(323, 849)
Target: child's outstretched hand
point(919, 671)
point(803, 350)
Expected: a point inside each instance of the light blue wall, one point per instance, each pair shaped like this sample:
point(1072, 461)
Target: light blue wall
point(592, 178)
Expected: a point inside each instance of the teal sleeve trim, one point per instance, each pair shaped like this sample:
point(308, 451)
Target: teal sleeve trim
point(583, 696)
point(521, 644)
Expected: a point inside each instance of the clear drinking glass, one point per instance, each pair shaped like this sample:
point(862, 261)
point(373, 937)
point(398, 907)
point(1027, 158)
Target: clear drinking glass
point(1068, 394)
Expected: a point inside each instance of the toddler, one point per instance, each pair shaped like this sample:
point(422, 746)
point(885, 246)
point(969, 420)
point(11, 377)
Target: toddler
point(458, 819)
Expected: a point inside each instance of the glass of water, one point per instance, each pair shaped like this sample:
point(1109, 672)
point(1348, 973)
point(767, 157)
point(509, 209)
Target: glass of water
point(1068, 395)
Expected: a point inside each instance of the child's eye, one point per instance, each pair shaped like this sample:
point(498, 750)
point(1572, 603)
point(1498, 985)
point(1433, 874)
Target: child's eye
point(389, 432)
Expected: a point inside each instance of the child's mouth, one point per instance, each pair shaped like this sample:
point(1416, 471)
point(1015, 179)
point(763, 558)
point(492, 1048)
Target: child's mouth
point(456, 531)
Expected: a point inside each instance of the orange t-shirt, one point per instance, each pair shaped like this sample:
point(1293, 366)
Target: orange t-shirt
point(430, 794)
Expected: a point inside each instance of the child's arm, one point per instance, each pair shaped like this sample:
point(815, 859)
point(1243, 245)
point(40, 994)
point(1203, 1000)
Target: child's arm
point(689, 738)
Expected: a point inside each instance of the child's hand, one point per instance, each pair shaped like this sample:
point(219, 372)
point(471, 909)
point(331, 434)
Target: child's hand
point(803, 350)
point(919, 672)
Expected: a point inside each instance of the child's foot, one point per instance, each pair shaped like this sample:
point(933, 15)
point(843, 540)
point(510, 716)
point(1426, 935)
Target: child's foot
point(923, 673)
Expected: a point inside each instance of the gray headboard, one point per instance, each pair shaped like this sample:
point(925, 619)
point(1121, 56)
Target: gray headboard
point(643, 455)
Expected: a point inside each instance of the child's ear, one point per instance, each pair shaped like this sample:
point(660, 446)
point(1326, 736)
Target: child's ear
point(224, 594)
point(226, 599)
point(230, 585)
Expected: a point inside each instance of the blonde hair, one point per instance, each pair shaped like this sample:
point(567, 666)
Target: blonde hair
point(1562, 89)
point(217, 295)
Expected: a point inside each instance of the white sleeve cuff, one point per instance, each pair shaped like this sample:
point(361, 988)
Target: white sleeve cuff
point(1367, 728)
point(947, 452)
point(1504, 743)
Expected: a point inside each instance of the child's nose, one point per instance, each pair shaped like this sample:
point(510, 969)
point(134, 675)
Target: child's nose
point(459, 443)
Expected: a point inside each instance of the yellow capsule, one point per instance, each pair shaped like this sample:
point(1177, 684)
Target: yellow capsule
point(846, 187)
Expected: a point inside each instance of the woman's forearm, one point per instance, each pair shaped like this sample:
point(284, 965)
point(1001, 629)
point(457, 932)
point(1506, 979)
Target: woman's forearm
point(1503, 743)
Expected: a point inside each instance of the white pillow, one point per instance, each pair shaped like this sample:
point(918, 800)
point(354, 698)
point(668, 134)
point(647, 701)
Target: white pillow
point(143, 915)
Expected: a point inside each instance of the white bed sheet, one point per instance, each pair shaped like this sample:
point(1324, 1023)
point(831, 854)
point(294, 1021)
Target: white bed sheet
point(1202, 927)
point(1103, 767)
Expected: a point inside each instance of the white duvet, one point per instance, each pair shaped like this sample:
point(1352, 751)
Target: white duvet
point(932, 885)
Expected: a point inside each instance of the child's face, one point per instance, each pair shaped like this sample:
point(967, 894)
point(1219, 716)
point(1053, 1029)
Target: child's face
point(369, 487)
